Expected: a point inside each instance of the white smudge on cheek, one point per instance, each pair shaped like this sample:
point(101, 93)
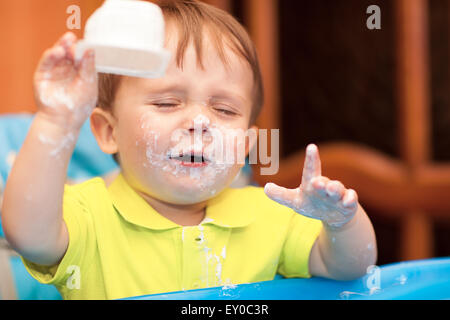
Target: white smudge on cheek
point(147, 122)
point(152, 156)
point(151, 141)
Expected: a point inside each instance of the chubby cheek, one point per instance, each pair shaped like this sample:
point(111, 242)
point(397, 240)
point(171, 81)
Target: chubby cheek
point(140, 136)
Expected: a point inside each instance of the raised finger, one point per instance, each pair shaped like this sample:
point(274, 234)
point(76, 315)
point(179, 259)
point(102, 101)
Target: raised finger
point(312, 166)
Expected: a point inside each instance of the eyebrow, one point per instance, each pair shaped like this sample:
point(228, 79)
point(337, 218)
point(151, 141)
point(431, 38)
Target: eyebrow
point(224, 94)
point(173, 88)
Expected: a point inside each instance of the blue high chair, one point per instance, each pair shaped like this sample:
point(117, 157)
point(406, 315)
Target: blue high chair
point(413, 280)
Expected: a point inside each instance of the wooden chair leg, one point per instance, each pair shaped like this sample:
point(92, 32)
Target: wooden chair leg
point(417, 236)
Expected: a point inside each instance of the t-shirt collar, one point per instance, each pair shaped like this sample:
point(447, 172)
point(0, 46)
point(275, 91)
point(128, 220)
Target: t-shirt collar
point(225, 209)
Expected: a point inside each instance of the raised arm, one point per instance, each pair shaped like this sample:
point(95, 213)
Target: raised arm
point(65, 94)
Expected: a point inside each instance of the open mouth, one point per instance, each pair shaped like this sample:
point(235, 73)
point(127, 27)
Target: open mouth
point(190, 159)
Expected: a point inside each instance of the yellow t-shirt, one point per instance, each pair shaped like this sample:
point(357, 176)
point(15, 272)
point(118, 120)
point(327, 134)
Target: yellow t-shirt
point(119, 246)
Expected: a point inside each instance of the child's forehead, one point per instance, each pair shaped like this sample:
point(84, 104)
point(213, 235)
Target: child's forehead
point(201, 69)
point(210, 49)
point(209, 71)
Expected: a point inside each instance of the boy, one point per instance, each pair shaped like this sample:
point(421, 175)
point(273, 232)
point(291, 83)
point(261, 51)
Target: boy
point(169, 221)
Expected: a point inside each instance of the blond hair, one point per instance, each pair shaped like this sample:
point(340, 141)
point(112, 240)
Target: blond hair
point(190, 16)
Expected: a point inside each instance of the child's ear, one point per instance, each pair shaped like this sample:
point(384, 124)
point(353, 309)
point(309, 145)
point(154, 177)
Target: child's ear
point(103, 126)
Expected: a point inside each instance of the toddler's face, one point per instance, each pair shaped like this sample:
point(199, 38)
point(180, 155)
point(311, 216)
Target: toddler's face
point(175, 134)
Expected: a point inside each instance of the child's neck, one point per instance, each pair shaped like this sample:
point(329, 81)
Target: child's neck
point(184, 215)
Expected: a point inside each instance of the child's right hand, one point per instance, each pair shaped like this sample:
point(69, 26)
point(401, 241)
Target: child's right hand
point(66, 90)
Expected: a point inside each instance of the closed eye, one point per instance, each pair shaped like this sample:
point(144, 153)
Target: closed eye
point(226, 112)
point(165, 105)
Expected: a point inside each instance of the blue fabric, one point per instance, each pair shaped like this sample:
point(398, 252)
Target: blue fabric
point(27, 288)
point(87, 161)
point(13, 129)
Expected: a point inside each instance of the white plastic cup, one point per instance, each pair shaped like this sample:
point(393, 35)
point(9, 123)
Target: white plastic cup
point(128, 39)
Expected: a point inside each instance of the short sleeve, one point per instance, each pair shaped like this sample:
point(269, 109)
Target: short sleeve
point(77, 218)
point(301, 235)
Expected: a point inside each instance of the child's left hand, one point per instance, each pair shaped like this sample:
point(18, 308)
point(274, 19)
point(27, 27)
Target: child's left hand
point(317, 197)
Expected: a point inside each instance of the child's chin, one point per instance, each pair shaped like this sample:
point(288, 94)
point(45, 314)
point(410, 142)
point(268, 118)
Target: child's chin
point(192, 196)
point(188, 185)
point(194, 189)
point(188, 191)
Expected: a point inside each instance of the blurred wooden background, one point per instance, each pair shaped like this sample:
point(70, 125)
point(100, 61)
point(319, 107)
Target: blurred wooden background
point(27, 29)
point(375, 101)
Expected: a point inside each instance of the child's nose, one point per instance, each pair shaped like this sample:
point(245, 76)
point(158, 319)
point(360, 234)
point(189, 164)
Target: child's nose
point(199, 123)
point(198, 129)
